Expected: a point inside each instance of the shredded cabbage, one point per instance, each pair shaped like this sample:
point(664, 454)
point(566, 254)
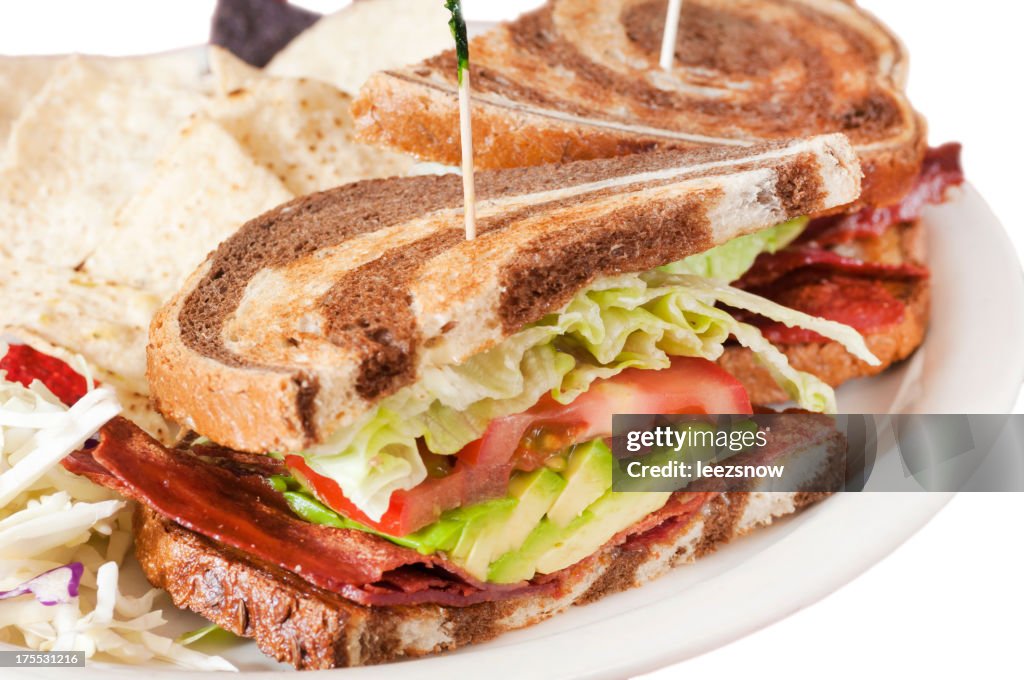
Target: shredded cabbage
point(633, 320)
point(51, 520)
point(56, 586)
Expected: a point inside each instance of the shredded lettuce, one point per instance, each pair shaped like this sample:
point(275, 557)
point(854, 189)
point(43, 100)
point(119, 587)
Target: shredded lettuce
point(634, 320)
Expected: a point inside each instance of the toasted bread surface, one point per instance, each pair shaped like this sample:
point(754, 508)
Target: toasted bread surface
point(310, 314)
point(577, 79)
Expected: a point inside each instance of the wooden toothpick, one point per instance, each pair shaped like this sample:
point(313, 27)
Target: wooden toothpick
point(668, 39)
point(458, 26)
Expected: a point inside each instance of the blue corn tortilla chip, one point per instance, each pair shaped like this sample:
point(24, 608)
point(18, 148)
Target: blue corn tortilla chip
point(256, 30)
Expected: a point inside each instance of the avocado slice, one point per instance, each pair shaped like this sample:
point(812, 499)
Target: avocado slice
point(536, 492)
point(609, 515)
point(441, 535)
point(520, 565)
point(588, 475)
point(481, 534)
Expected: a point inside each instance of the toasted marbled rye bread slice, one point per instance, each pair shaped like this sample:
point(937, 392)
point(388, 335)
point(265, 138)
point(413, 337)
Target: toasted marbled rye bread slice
point(580, 79)
point(312, 629)
point(311, 313)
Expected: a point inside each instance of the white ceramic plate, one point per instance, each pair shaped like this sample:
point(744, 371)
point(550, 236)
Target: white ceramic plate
point(971, 363)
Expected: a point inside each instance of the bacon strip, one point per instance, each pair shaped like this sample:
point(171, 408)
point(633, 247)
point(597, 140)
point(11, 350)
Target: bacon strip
point(243, 512)
point(238, 461)
point(864, 304)
point(940, 170)
point(811, 277)
point(238, 509)
point(773, 267)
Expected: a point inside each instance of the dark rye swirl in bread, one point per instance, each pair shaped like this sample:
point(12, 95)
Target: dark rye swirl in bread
point(580, 79)
point(311, 314)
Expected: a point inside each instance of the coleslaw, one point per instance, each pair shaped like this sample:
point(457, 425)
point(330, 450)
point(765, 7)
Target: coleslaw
point(63, 539)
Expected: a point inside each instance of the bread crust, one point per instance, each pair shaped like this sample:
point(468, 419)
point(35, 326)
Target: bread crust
point(183, 382)
point(312, 629)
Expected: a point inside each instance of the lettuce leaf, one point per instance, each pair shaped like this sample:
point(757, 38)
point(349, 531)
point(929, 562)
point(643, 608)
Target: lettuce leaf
point(731, 260)
point(632, 320)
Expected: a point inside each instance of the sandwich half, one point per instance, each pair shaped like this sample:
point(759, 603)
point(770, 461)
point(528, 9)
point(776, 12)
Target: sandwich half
point(403, 433)
point(580, 79)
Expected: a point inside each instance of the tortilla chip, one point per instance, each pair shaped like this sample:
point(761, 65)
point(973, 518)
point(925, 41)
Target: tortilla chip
point(82, 146)
point(256, 30)
point(188, 68)
point(346, 47)
point(200, 191)
point(123, 174)
point(302, 131)
point(106, 322)
point(20, 79)
point(139, 410)
point(229, 73)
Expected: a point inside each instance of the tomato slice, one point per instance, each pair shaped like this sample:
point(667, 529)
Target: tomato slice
point(411, 509)
point(689, 385)
point(523, 441)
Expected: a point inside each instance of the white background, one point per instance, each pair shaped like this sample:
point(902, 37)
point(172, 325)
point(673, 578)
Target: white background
point(949, 602)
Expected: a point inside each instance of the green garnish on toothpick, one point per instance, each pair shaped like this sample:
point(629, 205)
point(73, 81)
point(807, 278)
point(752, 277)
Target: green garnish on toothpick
point(458, 26)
